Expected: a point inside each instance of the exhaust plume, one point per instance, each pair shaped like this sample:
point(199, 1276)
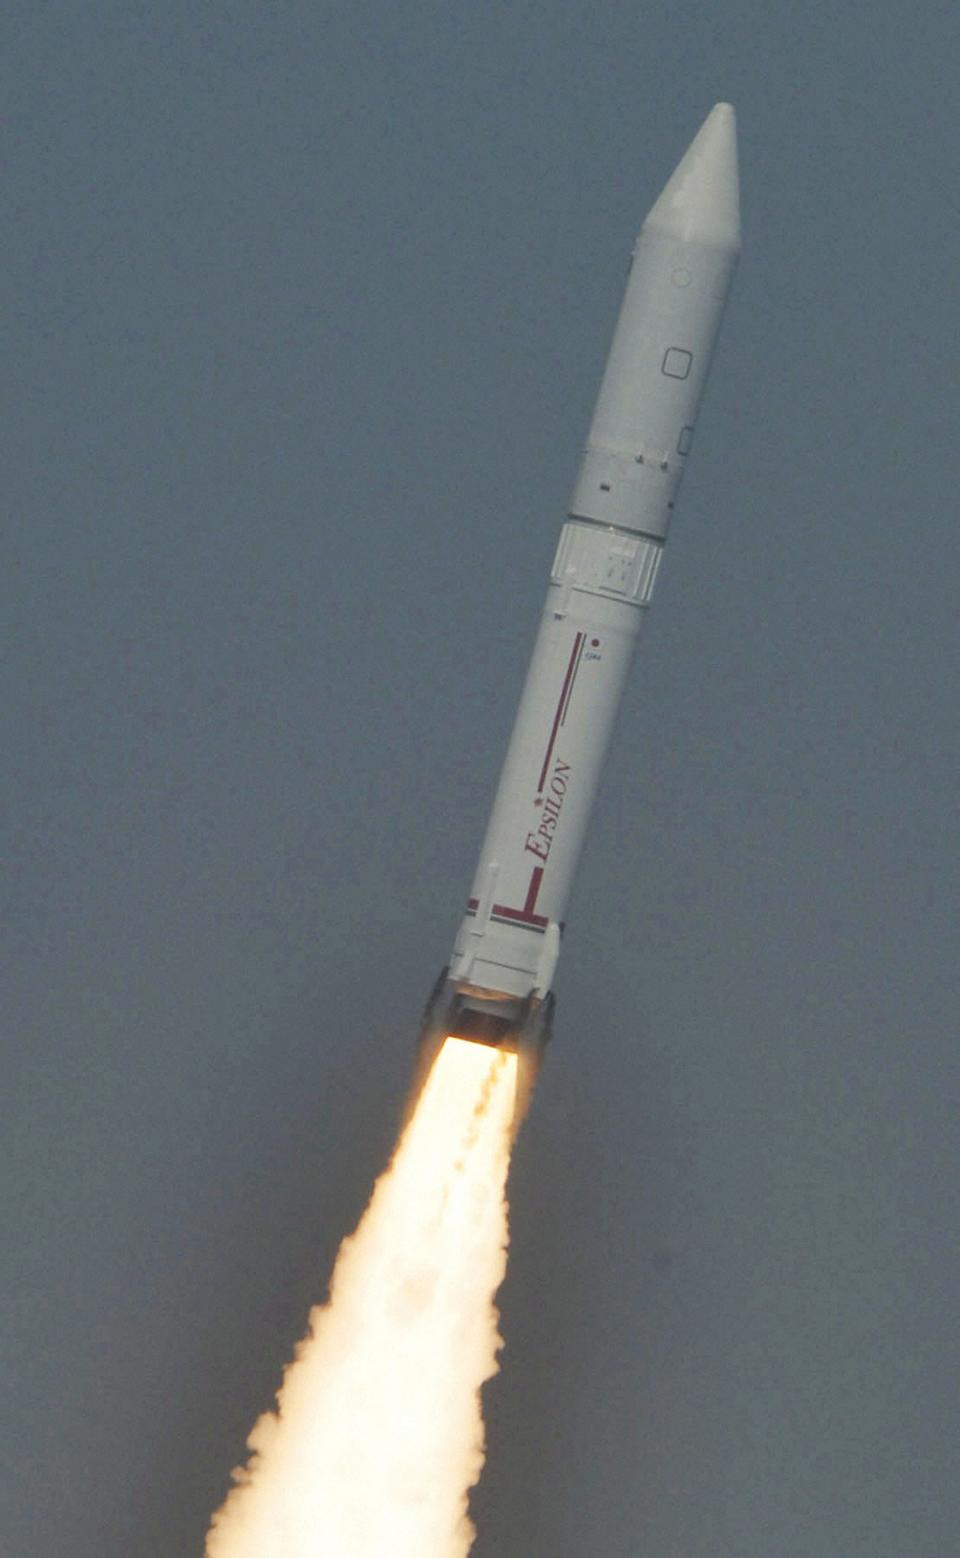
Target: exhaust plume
point(377, 1435)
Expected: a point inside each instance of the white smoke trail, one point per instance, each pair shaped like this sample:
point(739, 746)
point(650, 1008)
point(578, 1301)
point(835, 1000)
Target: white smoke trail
point(378, 1434)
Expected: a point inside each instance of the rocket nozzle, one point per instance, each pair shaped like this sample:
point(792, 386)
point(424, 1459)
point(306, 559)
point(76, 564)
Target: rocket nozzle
point(520, 1026)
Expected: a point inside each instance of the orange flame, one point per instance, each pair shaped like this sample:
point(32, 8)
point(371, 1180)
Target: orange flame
point(378, 1434)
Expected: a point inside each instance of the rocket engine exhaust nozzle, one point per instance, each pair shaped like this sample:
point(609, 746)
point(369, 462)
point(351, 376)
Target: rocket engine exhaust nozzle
point(521, 1025)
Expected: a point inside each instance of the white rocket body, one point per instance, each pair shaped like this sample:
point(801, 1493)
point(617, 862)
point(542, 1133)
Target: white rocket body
point(500, 976)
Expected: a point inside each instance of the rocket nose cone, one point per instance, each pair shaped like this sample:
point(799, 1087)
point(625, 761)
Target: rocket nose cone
point(700, 202)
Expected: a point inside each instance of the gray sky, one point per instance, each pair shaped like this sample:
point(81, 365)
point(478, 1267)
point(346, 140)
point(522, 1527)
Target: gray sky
point(305, 311)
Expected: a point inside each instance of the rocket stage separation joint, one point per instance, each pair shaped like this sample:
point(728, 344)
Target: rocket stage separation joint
point(497, 987)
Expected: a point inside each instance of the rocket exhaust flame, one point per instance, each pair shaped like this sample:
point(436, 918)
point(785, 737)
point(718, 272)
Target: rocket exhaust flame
point(378, 1434)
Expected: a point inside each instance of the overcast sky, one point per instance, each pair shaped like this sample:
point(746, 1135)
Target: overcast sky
point(305, 310)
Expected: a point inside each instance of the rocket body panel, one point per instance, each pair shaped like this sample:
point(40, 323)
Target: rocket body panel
point(643, 425)
point(509, 937)
point(497, 988)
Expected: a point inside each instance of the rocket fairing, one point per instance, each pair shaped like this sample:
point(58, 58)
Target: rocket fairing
point(497, 988)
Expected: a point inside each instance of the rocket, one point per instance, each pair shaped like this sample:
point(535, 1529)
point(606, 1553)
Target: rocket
point(498, 986)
